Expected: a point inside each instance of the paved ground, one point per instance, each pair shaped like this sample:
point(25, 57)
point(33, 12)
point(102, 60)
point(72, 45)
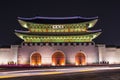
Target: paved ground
point(86, 73)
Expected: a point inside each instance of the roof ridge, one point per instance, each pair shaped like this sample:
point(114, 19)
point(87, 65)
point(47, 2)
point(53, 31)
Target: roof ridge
point(57, 18)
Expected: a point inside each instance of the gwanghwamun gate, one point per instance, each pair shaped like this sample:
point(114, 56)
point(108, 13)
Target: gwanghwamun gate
point(58, 41)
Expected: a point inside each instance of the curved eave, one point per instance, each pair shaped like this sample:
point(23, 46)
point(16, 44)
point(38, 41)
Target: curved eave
point(96, 35)
point(19, 35)
point(23, 23)
point(92, 23)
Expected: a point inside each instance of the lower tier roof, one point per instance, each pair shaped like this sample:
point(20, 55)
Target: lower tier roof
point(61, 38)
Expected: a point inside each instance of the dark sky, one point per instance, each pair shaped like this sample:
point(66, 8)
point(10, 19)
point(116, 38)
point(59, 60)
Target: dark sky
point(108, 12)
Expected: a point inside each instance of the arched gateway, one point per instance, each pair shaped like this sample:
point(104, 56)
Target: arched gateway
point(35, 59)
point(57, 33)
point(58, 59)
point(80, 59)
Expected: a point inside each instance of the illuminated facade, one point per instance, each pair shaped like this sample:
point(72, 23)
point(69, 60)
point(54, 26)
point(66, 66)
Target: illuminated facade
point(55, 30)
point(58, 41)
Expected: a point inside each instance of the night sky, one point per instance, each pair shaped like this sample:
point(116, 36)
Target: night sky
point(108, 12)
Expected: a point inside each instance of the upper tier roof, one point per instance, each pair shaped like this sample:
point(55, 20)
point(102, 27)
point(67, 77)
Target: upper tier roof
point(57, 20)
